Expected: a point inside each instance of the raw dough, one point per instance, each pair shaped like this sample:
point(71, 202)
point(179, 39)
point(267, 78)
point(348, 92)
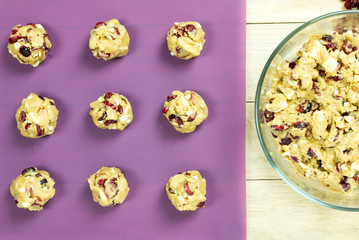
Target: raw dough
point(109, 186)
point(312, 110)
point(185, 40)
point(32, 189)
point(29, 44)
point(109, 40)
point(185, 111)
point(37, 116)
point(111, 111)
point(187, 191)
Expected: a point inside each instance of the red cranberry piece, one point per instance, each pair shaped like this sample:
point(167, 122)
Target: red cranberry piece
point(14, 39)
point(315, 86)
point(22, 116)
point(25, 51)
point(268, 115)
point(327, 38)
point(108, 95)
point(322, 73)
point(186, 187)
point(117, 31)
point(181, 32)
point(164, 110)
point(337, 166)
point(356, 177)
point(99, 24)
point(348, 4)
point(177, 118)
point(171, 97)
point(294, 137)
point(304, 107)
point(340, 65)
point(108, 122)
point(344, 184)
point(119, 109)
point(192, 99)
point(107, 103)
point(294, 158)
point(52, 103)
point(311, 153)
point(280, 128)
point(331, 46)
point(201, 204)
point(190, 27)
point(355, 48)
point(178, 49)
point(28, 170)
point(38, 175)
point(347, 47)
point(275, 136)
point(16, 201)
point(101, 182)
point(336, 78)
point(32, 24)
point(14, 31)
point(285, 141)
point(292, 65)
point(103, 116)
point(39, 130)
point(190, 119)
point(300, 125)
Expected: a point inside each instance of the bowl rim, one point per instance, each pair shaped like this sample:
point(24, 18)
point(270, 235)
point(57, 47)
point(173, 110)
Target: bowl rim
point(257, 111)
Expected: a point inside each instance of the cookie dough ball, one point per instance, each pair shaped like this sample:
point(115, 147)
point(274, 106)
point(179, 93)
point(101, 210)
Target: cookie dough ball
point(185, 40)
point(111, 111)
point(185, 110)
point(29, 44)
point(32, 189)
point(37, 116)
point(187, 191)
point(109, 186)
point(109, 40)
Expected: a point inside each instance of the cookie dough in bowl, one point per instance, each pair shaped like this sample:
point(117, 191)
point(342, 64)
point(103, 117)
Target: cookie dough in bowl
point(185, 40)
point(37, 116)
point(29, 44)
point(109, 40)
point(111, 111)
point(187, 191)
point(109, 186)
point(32, 189)
point(185, 110)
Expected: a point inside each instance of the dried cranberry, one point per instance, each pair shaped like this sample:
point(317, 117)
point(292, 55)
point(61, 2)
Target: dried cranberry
point(117, 31)
point(331, 46)
point(38, 175)
point(300, 124)
point(190, 119)
point(14, 39)
point(101, 182)
point(294, 158)
point(107, 103)
point(280, 128)
point(181, 32)
point(177, 118)
point(178, 49)
point(22, 116)
point(35, 205)
point(201, 204)
point(108, 122)
point(336, 78)
point(39, 130)
point(52, 103)
point(285, 141)
point(120, 109)
point(171, 97)
point(337, 166)
point(269, 116)
point(186, 187)
point(356, 177)
point(164, 110)
point(294, 137)
point(16, 201)
point(14, 31)
point(292, 65)
point(311, 153)
point(99, 24)
point(275, 136)
point(344, 184)
point(103, 116)
point(28, 170)
point(108, 95)
point(347, 47)
point(355, 48)
point(190, 27)
point(43, 181)
point(327, 38)
point(32, 24)
point(304, 107)
point(25, 51)
point(322, 73)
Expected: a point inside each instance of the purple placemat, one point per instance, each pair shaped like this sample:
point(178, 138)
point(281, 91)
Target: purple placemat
point(150, 151)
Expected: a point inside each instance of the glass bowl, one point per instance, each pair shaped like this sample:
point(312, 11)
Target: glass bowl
point(286, 50)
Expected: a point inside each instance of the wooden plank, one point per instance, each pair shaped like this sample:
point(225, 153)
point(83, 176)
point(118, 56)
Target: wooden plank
point(275, 211)
point(262, 39)
point(259, 11)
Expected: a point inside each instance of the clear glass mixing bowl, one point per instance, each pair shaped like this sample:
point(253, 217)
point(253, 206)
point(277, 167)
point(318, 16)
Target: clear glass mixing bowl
point(286, 50)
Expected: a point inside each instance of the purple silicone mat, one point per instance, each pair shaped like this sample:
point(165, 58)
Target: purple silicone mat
point(150, 151)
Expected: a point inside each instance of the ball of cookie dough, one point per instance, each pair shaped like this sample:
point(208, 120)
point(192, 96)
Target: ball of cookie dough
point(37, 116)
point(111, 111)
point(185, 110)
point(109, 40)
point(185, 40)
point(32, 189)
point(187, 191)
point(109, 186)
point(29, 44)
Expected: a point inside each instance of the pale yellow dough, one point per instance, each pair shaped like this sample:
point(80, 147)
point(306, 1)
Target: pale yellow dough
point(111, 111)
point(109, 40)
point(37, 116)
point(29, 44)
point(185, 110)
point(32, 189)
point(187, 191)
point(185, 40)
point(312, 110)
point(109, 186)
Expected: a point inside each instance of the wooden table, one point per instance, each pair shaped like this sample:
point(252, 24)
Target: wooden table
point(275, 210)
